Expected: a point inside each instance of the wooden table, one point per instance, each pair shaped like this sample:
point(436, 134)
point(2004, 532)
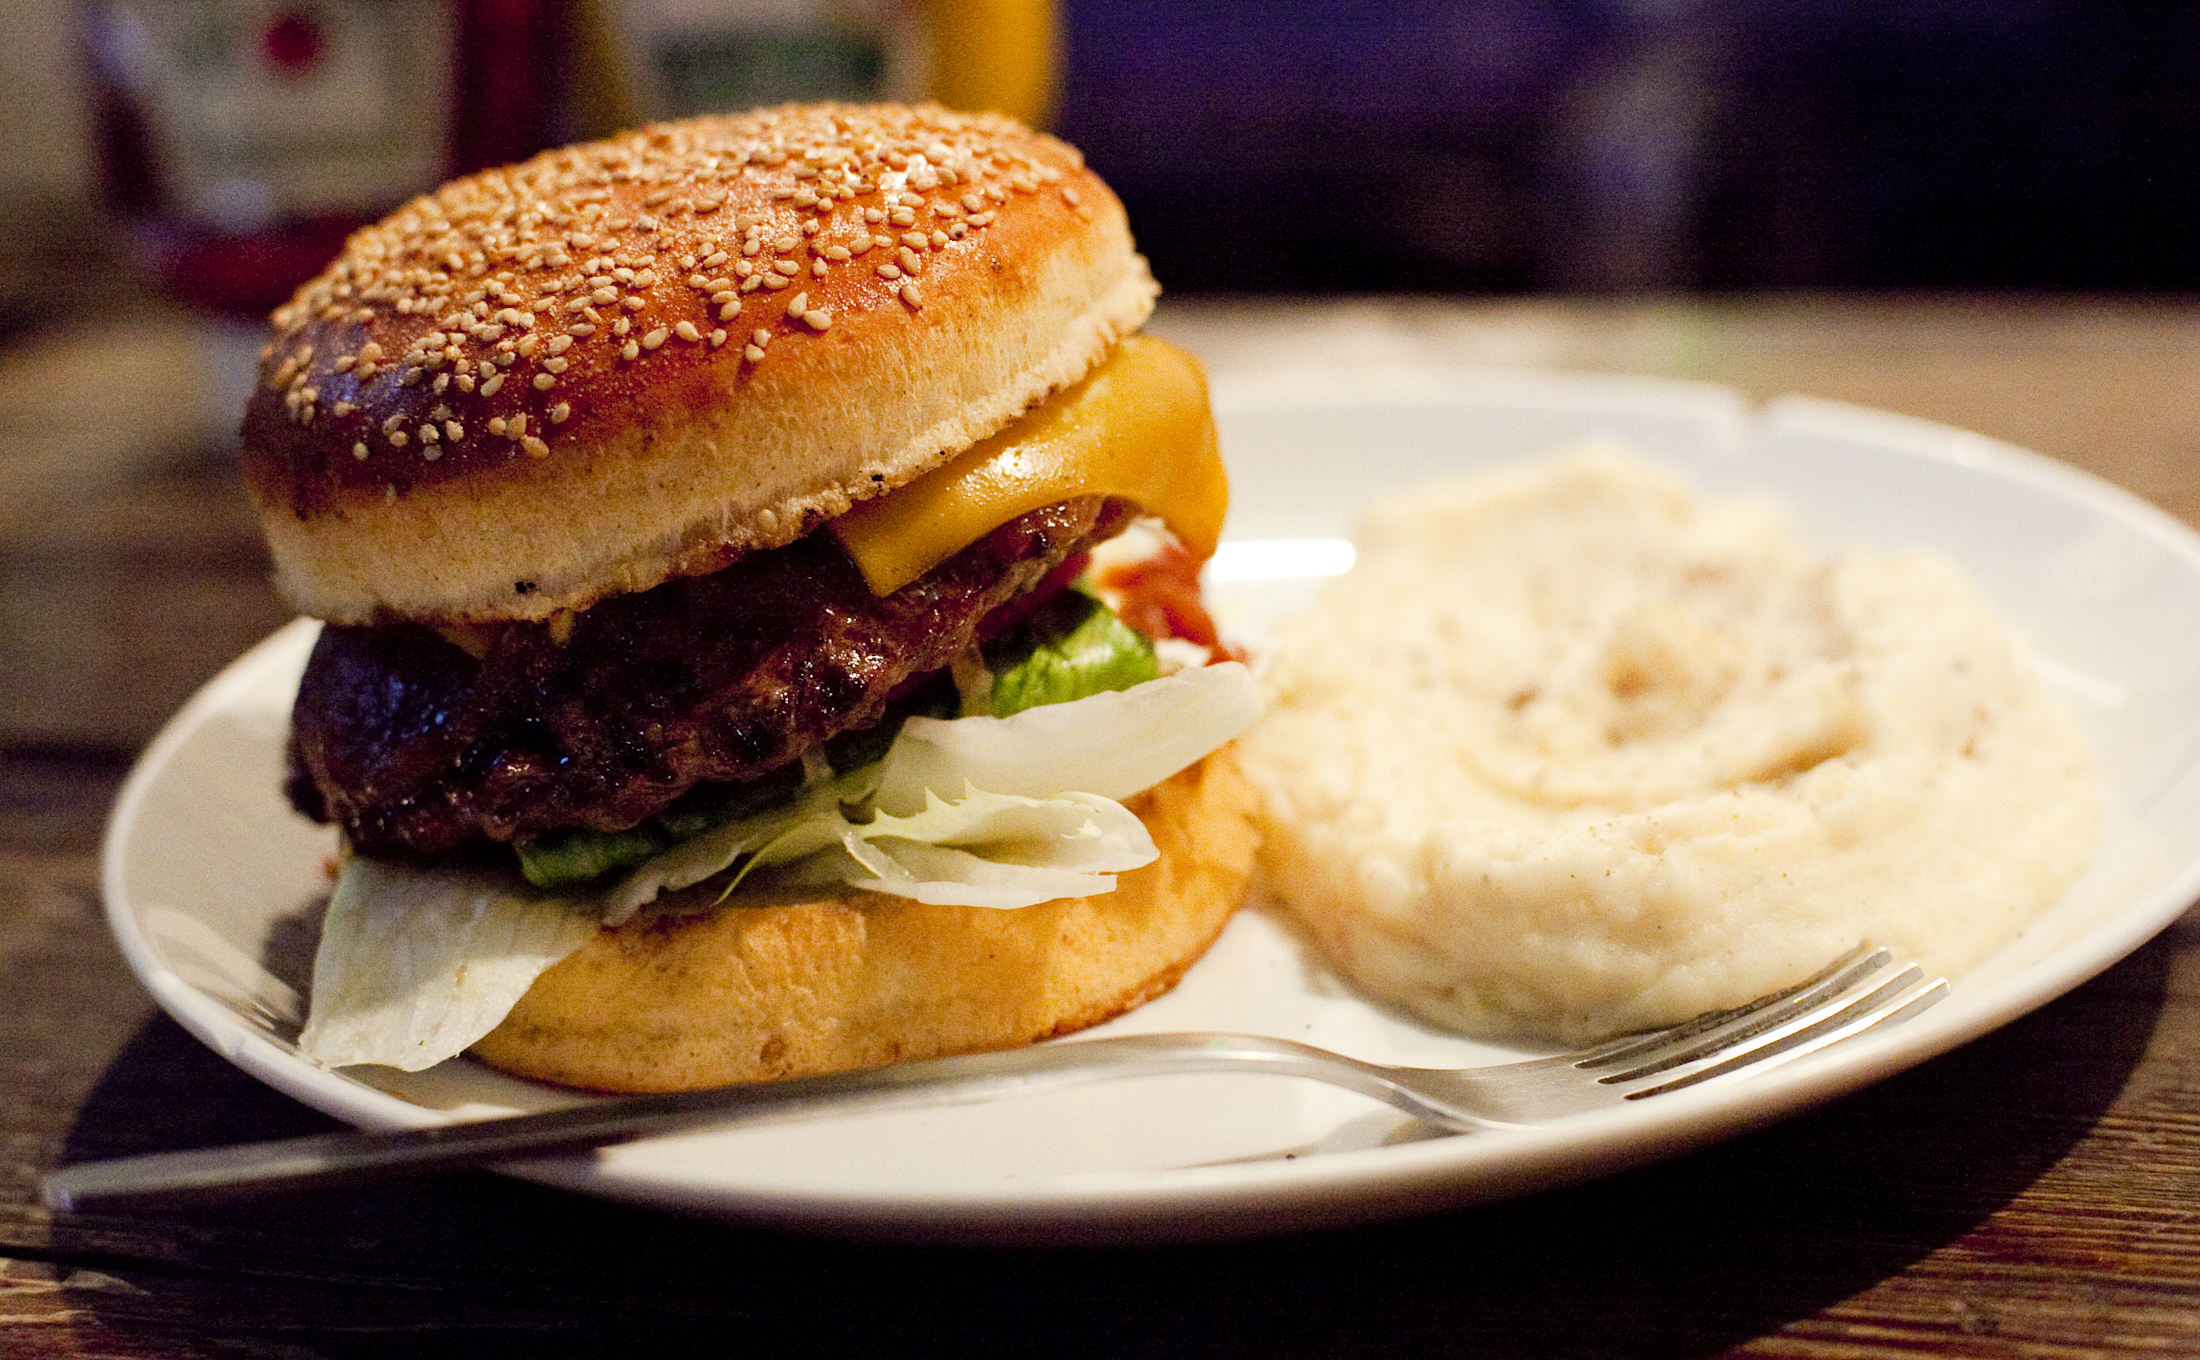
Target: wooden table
point(2035, 1194)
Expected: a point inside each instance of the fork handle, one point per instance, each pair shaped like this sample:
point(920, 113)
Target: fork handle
point(359, 1157)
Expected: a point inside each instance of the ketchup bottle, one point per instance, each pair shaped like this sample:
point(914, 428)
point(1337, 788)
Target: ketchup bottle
point(240, 141)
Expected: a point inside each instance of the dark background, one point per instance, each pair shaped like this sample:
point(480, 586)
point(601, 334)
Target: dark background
point(1391, 146)
point(1411, 145)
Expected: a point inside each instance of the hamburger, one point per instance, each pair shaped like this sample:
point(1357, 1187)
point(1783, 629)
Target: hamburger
point(714, 683)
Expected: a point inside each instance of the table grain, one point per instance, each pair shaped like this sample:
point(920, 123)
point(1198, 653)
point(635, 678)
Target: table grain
point(2034, 1194)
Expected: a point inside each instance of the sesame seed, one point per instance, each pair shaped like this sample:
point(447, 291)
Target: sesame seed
point(761, 336)
point(496, 426)
point(453, 431)
point(429, 455)
point(461, 285)
point(655, 338)
point(559, 412)
point(399, 439)
point(359, 450)
point(630, 350)
point(535, 446)
point(753, 353)
point(516, 426)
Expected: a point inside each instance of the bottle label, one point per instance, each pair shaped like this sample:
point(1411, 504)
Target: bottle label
point(258, 112)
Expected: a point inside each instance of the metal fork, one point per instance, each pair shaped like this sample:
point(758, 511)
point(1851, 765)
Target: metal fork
point(1861, 990)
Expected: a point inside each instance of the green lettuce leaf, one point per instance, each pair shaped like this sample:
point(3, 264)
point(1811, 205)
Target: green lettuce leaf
point(1072, 647)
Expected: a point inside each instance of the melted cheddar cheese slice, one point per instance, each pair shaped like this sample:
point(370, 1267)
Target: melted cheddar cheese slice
point(1137, 427)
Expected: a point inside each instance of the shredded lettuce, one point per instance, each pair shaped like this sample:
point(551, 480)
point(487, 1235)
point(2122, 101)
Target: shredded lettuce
point(987, 812)
point(415, 966)
point(775, 836)
point(1112, 744)
point(999, 850)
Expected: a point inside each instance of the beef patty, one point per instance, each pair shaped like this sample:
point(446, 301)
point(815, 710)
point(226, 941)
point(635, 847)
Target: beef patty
point(414, 746)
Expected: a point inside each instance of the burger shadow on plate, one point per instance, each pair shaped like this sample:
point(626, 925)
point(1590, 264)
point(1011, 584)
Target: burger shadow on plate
point(1682, 1258)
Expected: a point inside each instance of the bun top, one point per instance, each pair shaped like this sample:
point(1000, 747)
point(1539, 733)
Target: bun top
point(644, 357)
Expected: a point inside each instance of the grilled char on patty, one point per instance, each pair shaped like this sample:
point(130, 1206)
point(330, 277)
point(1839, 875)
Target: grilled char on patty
point(414, 747)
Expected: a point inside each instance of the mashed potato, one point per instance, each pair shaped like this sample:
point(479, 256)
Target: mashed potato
point(1571, 753)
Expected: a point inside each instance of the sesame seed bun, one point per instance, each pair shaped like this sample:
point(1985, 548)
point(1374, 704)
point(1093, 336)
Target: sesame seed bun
point(583, 375)
point(673, 1002)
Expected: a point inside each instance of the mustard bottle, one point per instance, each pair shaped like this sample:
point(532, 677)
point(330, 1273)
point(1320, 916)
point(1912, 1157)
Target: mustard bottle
point(997, 56)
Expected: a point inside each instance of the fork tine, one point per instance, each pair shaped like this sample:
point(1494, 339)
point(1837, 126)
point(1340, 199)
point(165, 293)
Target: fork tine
point(1717, 1031)
point(1898, 997)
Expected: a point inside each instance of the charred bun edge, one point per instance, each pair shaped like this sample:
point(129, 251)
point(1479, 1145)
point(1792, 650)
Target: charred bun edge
point(644, 357)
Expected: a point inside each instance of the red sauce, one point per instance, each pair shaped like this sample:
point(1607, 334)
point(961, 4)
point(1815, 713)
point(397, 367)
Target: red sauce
point(1160, 597)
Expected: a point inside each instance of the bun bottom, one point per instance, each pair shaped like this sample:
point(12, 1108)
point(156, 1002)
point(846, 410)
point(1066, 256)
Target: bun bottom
point(674, 1002)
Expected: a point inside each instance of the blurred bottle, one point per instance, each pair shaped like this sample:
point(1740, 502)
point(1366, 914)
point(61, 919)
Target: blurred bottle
point(998, 55)
point(639, 60)
point(240, 140)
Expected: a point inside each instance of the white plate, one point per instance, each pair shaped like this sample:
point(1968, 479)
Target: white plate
point(209, 876)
